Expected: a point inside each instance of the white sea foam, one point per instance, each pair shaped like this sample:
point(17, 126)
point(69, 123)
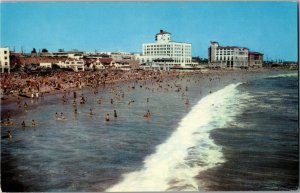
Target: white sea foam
point(188, 150)
point(284, 75)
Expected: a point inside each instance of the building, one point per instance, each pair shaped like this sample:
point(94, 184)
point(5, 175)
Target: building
point(255, 59)
point(45, 65)
point(75, 54)
point(4, 60)
point(164, 53)
point(76, 65)
point(228, 56)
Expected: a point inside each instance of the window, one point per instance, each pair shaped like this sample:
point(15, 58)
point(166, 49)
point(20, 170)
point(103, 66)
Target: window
point(5, 52)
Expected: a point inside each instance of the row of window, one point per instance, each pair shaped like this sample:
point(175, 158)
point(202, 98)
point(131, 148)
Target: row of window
point(166, 51)
point(169, 49)
point(231, 58)
point(167, 46)
point(166, 54)
point(74, 62)
point(175, 61)
point(5, 63)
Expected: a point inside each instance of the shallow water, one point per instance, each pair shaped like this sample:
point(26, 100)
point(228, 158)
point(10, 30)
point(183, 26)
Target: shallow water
point(86, 153)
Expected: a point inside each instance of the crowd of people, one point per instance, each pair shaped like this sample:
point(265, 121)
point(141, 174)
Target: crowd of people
point(35, 85)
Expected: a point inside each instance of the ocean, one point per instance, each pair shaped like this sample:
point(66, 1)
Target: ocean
point(211, 132)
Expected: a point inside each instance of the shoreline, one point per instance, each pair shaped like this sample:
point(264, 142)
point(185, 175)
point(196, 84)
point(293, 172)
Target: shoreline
point(14, 98)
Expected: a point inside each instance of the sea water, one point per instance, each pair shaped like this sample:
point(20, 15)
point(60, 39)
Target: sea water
point(235, 133)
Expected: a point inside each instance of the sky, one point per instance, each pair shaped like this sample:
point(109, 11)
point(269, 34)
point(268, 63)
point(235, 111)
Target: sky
point(266, 27)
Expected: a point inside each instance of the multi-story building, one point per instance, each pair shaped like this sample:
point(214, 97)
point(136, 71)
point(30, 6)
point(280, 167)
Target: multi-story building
point(228, 56)
point(4, 60)
point(164, 53)
point(255, 59)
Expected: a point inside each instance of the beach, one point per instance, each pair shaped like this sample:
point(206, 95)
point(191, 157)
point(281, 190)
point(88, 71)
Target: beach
point(80, 150)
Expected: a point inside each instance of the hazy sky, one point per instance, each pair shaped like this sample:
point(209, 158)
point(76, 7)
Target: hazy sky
point(267, 27)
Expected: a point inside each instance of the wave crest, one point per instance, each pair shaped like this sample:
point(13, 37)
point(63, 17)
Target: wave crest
point(188, 150)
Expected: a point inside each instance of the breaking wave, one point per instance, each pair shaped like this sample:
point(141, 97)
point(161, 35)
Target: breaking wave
point(284, 75)
point(188, 151)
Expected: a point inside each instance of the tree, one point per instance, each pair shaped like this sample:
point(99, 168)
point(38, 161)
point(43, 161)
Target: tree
point(33, 51)
point(44, 50)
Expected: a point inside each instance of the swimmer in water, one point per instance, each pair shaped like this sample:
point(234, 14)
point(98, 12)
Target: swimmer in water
point(8, 135)
point(132, 101)
point(8, 121)
point(33, 123)
point(23, 124)
point(115, 113)
point(107, 117)
point(147, 114)
point(91, 112)
point(187, 101)
point(62, 115)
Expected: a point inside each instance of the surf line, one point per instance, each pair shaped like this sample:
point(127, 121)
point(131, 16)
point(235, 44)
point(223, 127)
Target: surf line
point(287, 75)
point(188, 150)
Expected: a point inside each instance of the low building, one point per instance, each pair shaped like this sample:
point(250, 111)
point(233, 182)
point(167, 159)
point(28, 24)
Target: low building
point(76, 65)
point(227, 56)
point(116, 56)
point(4, 60)
point(46, 65)
point(255, 59)
point(97, 65)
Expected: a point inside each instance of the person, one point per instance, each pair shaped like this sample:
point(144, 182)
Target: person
point(147, 114)
point(56, 115)
point(107, 117)
point(132, 101)
point(115, 113)
point(112, 101)
point(33, 123)
point(91, 112)
point(8, 114)
point(25, 105)
point(23, 124)
point(74, 95)
point(8, 121)
point(82, 100)
point(187, 101)
point(8, 135)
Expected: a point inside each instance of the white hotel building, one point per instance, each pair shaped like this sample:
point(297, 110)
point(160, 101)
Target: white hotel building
point(164, 54)
point(227, 57)
point(4, 59)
